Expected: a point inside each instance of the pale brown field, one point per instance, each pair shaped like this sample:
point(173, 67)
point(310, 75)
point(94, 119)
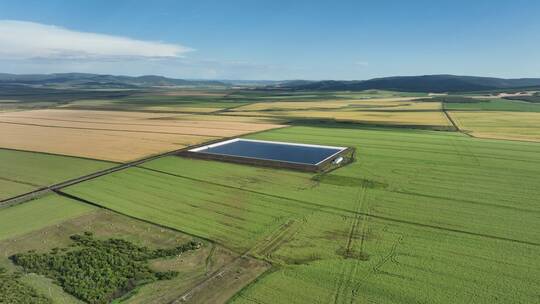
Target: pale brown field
point(112, 135)
point(404, 103)
point(499, 124)
point(401, 118)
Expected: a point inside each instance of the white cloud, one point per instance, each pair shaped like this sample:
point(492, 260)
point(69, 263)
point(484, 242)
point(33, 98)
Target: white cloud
point(29, 40)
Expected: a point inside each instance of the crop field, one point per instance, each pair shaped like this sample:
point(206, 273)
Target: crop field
point(111, 135)
point(401, 111)
point(494, 105)
point(499, 124)
point(421, 216)
point(426, 119)
point(22, 172)
point(400, 103)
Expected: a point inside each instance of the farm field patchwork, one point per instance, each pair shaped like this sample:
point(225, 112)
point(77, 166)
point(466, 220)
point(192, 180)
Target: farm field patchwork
point(26, 171)
point(426, 119)
point(113, 135)
point(420, 215)
point(499, 124)
point(397, 103)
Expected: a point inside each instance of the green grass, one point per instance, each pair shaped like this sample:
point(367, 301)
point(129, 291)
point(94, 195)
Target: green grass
point(233, 217)
point(25, 171)
point(37, 214)
point(494, 105)
point(421, 216)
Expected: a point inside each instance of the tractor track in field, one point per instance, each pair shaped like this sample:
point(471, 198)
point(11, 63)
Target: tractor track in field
point(360, 219)
point(264, 248)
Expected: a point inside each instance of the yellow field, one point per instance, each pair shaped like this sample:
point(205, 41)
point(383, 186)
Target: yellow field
point(404, 103)
point(499, 124)
point(400, 118)
point(112, 135)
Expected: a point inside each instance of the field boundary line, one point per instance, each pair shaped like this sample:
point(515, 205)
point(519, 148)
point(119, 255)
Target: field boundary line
point(104, 129)
point(451, 120)
point(384, 218)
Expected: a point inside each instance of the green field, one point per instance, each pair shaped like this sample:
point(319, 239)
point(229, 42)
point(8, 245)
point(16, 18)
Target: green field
point(420, 216)
point(26, 171)
point(494, 105)
point(37, 214)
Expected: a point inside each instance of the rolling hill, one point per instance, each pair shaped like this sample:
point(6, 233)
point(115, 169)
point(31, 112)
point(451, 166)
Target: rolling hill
point(425, 83)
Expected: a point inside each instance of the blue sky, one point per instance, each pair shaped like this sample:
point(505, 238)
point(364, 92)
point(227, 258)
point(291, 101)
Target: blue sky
point(272, 39)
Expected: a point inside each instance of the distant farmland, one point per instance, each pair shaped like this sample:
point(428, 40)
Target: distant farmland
point(402, 111)
point(110, 135)
point(417, 214)
point(500, 125)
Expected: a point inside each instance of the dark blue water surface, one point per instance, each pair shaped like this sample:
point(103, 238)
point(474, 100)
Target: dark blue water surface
point(273, 151)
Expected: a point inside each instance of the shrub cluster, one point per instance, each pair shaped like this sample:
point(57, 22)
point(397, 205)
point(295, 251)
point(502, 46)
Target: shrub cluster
point(13, 291)
point(98, 271)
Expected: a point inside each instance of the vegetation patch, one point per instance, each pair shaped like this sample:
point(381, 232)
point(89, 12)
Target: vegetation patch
point(98, 271)
point(14, 291)
point(534, 98)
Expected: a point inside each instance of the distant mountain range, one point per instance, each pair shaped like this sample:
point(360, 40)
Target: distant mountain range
point(426, 83)
point(102, 81)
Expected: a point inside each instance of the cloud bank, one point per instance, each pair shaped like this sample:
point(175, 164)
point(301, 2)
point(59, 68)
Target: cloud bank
point(29, 40)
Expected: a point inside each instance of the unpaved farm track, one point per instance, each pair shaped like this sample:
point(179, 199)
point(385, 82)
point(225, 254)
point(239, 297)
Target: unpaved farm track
point(41, 191)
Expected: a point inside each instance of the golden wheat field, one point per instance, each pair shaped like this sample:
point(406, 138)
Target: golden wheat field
point(499, 124)
point(400, 118)
point(404, 103)
point(110, 135)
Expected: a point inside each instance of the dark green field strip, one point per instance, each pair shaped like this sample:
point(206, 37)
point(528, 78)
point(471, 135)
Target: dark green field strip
point(22, 171)
point(494, 105)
